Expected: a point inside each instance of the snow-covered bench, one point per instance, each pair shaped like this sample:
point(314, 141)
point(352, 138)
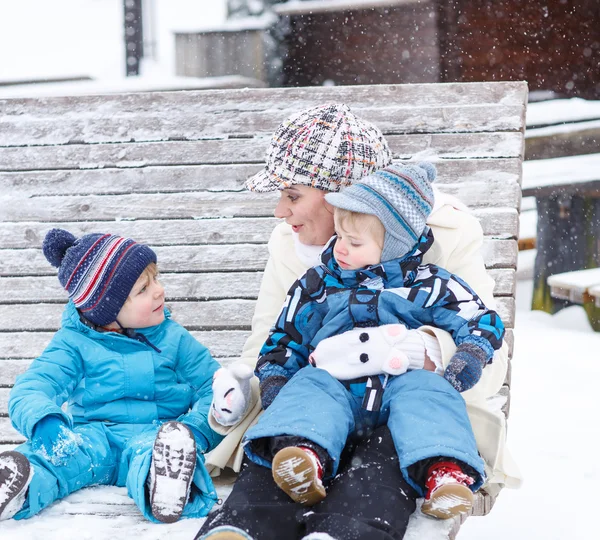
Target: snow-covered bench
point(168, 169)
point(567, 194)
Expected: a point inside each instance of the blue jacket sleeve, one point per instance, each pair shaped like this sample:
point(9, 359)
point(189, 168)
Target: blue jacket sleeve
point(196, 367)
point(45, 386)
point(461, 312)
point(286, 349)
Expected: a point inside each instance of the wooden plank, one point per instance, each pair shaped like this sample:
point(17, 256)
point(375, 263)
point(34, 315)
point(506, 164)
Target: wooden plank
point(192, 115)
point(20, 345)
point(210, 315)
point(8, 434)
point(222, 177)
point(137, 206)
point(157, 232)
point(242, 257)
point(239, 151)
point(497, 253)
point(208, 286)
point(495, 222)
point(204, 205)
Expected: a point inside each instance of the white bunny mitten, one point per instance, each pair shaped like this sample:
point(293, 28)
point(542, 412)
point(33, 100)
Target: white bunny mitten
point(231, 394)
point(363, 352)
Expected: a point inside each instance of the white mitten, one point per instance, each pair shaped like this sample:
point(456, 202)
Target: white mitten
point(231, 394)
point(361, 352)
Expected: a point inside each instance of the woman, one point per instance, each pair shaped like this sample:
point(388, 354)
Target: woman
point(314, 152)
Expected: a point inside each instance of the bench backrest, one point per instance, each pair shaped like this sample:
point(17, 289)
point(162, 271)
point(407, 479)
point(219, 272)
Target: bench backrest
point(168, 169)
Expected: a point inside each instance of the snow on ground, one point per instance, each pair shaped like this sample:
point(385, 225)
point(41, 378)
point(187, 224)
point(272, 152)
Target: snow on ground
point(553, 434)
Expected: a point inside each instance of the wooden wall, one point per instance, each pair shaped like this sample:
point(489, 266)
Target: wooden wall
point(553, 45)
point(394, 44)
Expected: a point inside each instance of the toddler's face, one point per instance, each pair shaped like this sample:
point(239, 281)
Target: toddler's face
point(355, 249)
point(145, 304)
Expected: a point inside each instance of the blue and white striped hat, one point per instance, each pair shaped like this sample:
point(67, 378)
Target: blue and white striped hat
point(98, 270)
point(400, 196)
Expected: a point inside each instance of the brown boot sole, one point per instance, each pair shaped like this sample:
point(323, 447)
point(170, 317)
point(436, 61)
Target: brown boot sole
point(448, 501)
point(295, 473)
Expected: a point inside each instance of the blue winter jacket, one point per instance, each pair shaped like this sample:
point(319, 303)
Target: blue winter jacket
point(110, 377)
point(328, 301)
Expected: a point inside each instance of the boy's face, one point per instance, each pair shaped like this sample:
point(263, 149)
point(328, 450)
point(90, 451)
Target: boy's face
point(145, 304)
point(355, 249)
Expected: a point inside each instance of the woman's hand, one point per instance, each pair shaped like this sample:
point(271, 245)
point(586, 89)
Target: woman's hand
point(231, 394)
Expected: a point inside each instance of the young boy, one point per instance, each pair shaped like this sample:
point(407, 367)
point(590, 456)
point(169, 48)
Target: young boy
point(371, 275)
point(137, 387)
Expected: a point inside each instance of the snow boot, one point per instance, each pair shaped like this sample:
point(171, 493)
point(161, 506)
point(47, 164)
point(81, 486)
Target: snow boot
point(447, 491)
point(298, 471)
point(226, 532)
point(171, 471)
point(15, 475)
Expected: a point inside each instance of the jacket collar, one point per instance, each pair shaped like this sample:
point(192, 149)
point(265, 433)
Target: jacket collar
point(393, 273)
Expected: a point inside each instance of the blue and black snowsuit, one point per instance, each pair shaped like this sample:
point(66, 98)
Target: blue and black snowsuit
point(119, 390)
point(425, 414)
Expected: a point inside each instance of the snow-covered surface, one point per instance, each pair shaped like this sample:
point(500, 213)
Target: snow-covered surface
point(580, 279)
point(553, 434)
point(317, 6)
point(129, 84)
point(557, 111)
point(560, 171)
point(562, 129)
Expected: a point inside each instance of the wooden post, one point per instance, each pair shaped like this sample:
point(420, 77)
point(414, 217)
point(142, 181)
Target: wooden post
point(134, 39)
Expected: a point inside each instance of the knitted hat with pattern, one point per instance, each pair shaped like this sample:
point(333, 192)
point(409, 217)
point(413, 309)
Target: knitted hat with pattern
point(97, 270)
point(324, 147)
point(400, 196)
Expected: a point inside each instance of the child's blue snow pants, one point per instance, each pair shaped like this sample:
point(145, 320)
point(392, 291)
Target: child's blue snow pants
point(111, 454)
point(426, 416)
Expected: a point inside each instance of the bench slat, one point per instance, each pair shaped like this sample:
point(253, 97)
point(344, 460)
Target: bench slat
point(496, 222)
point(178, 287)
point(201, 205)
point(497, 253)
point(210, 258)
point(192, 115)
point(222, 177)
point(129, 155)
point(230, 314)
point(185, 286)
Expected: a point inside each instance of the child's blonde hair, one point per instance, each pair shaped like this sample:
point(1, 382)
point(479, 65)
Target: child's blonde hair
point(362, 223)
point(150, 272)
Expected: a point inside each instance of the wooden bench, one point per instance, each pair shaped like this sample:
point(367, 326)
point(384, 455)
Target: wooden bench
point(168, 169)
point(567, 195)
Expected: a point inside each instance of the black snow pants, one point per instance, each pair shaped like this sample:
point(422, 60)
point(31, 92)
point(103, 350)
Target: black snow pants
point(367, 500)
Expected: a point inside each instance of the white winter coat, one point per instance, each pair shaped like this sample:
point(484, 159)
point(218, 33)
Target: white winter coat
point(457, 248)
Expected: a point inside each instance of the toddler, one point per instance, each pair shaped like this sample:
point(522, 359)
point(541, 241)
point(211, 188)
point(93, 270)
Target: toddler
point(349, 317)
point(136, 384)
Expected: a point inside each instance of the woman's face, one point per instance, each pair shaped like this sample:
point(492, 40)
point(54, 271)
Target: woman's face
point(307, 211)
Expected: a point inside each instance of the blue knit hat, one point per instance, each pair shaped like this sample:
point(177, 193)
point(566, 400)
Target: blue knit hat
point(400, 196)
point(97, 270)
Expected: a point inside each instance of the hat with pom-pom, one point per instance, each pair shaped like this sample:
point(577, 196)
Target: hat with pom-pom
point(400, 196)
point(97, 270)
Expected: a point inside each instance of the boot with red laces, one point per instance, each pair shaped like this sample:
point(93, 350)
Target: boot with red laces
point(447, 491)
